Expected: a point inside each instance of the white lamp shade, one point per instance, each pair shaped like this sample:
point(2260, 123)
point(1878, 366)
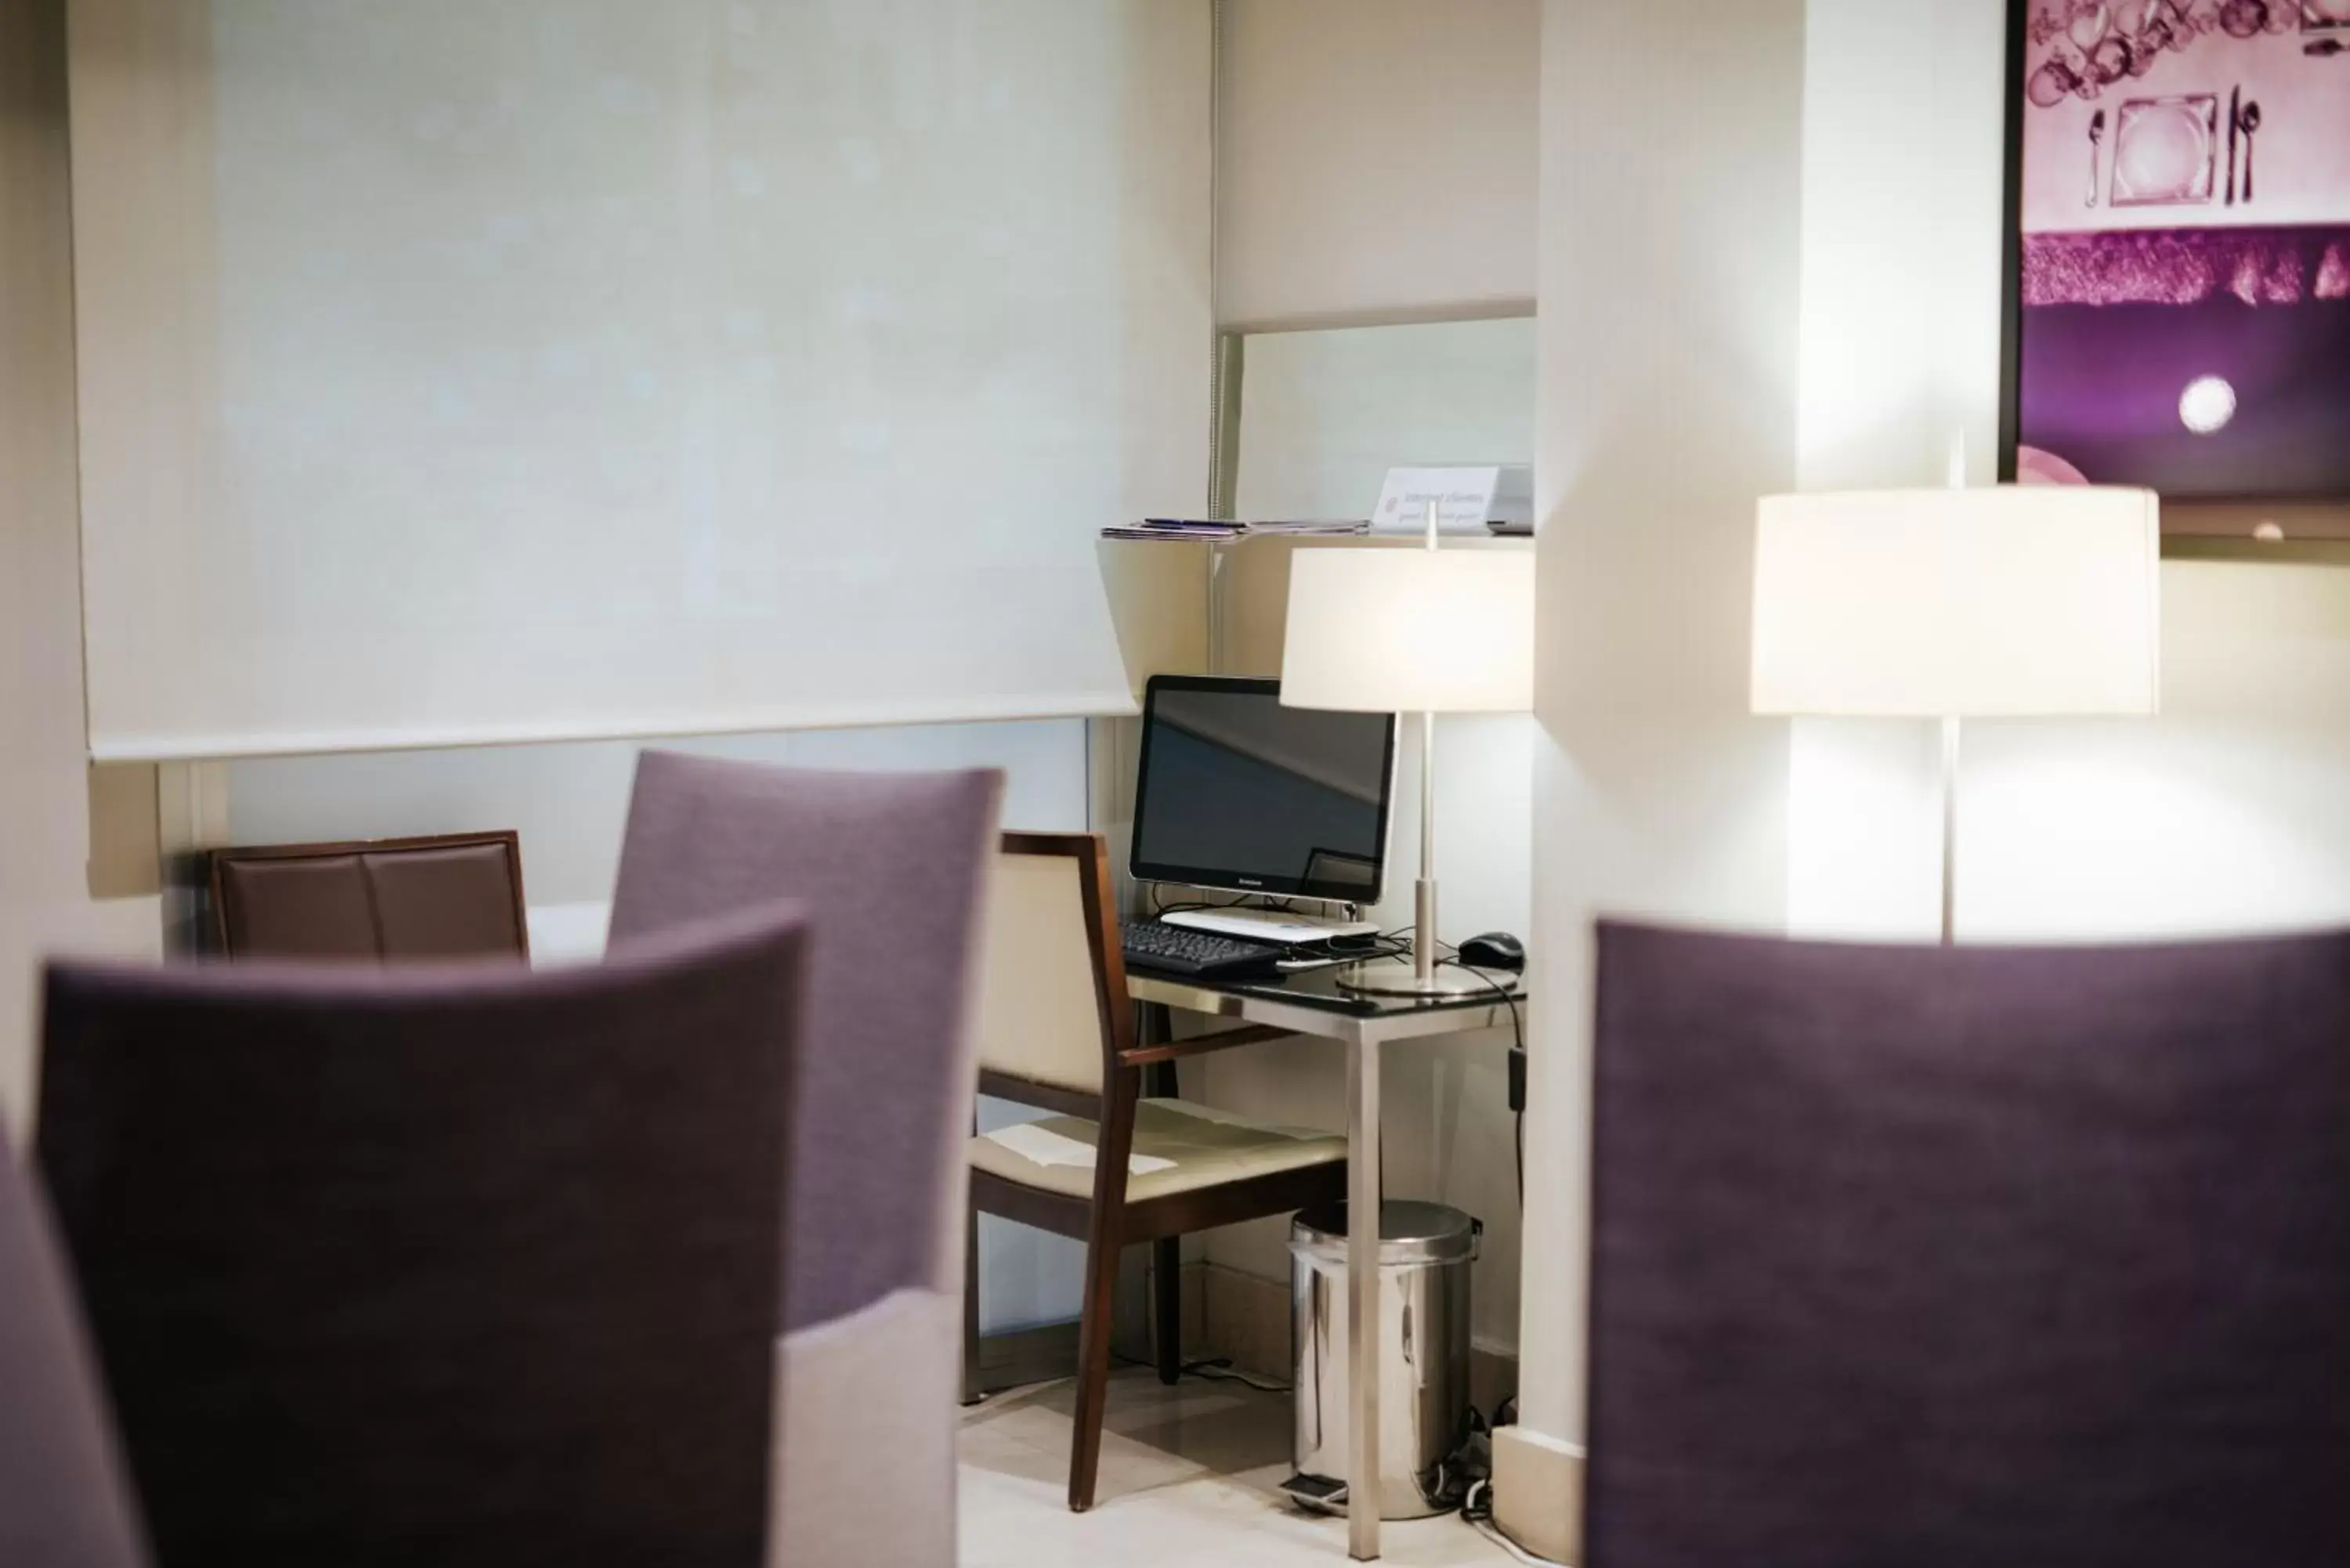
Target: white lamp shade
point(2007, 600)
point(1379, 631)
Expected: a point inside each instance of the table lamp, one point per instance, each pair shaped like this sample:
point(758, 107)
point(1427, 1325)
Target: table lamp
point(1426, 631)
point(2009, 601)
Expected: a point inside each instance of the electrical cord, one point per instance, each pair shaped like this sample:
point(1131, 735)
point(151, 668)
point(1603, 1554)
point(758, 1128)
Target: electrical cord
point(1220, 1369)
point(1482, 1524)
point(1518, 1041)
point(1158, 905)
point(1357, 947)
point(1211, 1369)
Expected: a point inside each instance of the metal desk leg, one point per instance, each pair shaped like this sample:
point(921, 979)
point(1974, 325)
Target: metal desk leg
point(1363, 1300)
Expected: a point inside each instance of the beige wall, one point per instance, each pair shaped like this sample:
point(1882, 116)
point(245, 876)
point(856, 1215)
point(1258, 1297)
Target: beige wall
point(48, 867)
point(1374, 160)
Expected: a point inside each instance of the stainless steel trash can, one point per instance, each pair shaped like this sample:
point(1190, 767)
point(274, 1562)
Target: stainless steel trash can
point(1425, 1250)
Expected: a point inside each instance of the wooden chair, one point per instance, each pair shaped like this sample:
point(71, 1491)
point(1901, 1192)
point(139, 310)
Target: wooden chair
point(1056, 1030)
point(451, 894)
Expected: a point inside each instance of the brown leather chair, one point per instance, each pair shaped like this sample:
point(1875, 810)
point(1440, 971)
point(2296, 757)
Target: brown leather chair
point(455, 895)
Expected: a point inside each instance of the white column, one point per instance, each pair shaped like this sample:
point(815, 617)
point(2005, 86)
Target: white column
point(1669, 286)
point(1904, 132)
point(62, 890)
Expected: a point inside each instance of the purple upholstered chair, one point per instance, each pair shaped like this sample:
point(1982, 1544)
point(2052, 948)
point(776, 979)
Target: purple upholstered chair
point(62, 1503)
point(1964, 1256)
point(891, 869)
point(449, 1265)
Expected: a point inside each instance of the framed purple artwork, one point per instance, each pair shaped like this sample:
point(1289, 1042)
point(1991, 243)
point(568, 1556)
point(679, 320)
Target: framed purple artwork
point(2179, 313)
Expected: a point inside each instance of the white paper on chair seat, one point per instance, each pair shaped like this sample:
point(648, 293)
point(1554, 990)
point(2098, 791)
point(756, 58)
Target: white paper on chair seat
point(1045, 1147)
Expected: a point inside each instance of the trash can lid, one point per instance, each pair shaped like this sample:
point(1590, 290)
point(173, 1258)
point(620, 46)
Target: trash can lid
point(1409, 1232)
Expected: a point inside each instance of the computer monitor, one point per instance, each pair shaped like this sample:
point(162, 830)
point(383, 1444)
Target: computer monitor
point(1237, 792)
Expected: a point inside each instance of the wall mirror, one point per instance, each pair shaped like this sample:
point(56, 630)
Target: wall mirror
point(1309, 421)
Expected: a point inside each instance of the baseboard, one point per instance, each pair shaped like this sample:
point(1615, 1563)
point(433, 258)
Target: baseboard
point(1538, 1492)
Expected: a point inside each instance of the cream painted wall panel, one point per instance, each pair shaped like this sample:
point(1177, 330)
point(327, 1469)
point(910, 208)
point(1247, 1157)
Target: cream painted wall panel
point(1323, 415)
point(1670, 291)
point(1904, 123)
point(556, 369)
point(1375, 160)
point(48, 864)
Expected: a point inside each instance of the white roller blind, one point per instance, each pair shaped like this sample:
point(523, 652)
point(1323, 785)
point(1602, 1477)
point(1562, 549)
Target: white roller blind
point(1375, 160)
point(458, 372)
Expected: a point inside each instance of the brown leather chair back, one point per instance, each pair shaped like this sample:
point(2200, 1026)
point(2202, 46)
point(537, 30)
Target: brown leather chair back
point(452, 895)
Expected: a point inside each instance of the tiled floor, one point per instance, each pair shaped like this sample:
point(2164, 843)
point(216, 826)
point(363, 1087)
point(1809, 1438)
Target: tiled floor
point(1187, 1480)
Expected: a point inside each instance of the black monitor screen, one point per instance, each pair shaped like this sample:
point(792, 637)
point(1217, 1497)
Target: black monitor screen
point(1237, 790)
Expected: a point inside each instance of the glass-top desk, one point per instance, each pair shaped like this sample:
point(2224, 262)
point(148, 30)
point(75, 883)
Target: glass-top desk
point(1311, 1001)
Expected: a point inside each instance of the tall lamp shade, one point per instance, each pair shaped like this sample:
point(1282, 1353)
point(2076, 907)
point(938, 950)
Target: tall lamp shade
point(1410, 631)
point(1425, 631)
point(2007, 600)
point(2001, 601)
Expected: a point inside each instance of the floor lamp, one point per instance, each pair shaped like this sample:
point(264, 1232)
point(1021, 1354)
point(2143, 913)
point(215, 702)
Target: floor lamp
point(1388, 630)
point(2005, 601)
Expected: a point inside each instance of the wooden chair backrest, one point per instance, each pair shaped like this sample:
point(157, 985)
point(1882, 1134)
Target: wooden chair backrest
point(1052, 1014)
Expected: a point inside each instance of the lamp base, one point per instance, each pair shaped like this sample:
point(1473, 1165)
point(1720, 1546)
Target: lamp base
point(1400, 976)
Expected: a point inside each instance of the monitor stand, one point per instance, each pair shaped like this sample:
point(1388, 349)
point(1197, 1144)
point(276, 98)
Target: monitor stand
point(1277, 928)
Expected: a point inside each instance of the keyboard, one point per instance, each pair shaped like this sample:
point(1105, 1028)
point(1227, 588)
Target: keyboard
point(1196, 955)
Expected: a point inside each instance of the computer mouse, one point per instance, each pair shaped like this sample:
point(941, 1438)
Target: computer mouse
point(1494, 950)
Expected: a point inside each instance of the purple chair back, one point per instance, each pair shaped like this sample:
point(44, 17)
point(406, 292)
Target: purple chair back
point(889, 868)
point(61, 1497)
point(1964, 1256)
point(451, 1264)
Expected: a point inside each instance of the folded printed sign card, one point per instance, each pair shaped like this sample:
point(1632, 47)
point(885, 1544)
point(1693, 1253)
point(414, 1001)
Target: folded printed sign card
point(1463, 497)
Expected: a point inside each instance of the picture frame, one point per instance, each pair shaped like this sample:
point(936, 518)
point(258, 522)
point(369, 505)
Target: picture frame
point(2175, 305)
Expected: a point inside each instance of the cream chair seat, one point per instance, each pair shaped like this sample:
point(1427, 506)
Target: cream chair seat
point(1179, 1146)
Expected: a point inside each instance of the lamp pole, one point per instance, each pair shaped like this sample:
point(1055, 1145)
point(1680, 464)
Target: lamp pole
point(1950, 830)
point(1423, 899)
point(1411, 632)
